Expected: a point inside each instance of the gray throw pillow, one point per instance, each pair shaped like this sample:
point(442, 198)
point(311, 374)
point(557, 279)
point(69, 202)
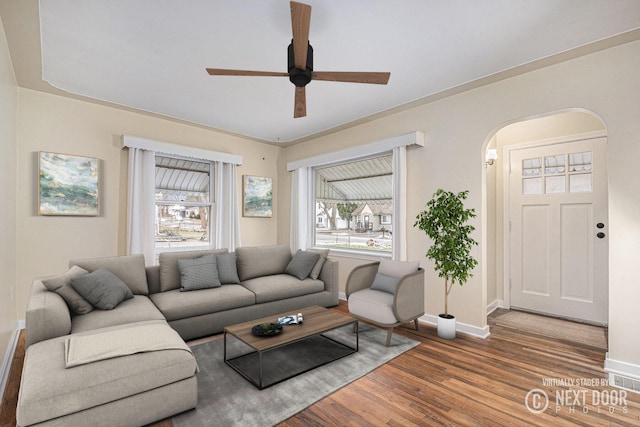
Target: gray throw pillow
point(301, 264)
point(198, 273)
point(385, 283)
point(102, 289)
point(317, 268)
point(227, 270)
point(62, 286)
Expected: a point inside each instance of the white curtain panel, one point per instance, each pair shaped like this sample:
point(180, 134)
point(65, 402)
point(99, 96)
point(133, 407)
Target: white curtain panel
point(300, 183)
point(227, 207)
point(399, 219)
point(141, 204)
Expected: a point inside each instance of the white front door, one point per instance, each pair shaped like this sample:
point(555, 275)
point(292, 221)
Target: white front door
point(558, 255)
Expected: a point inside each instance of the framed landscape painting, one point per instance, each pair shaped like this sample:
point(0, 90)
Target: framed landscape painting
point(68, 185)
point(257, 196)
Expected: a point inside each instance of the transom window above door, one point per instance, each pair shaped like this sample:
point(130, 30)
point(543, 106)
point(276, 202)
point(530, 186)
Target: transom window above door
point(557, 174)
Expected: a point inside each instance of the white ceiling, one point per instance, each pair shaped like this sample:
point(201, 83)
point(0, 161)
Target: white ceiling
point(151, 54)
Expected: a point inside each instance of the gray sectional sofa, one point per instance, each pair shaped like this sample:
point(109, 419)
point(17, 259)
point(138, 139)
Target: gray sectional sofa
point(133, 387)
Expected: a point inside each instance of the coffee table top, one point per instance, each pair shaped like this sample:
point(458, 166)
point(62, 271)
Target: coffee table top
point(316, 320)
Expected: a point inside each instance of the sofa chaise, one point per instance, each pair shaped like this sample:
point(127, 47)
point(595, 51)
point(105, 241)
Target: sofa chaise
point(86, 363)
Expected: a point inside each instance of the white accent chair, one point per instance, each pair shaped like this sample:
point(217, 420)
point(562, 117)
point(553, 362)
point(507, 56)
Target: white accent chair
point(387, 294)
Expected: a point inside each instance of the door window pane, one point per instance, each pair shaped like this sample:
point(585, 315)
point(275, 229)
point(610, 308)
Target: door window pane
point(579, 162)
point(580, 183)
point(532, 186)
point(532, 167)
point(554, 165)
point(555, 184)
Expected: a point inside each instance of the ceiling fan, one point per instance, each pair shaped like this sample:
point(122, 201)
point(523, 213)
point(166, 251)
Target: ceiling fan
point(300, 63)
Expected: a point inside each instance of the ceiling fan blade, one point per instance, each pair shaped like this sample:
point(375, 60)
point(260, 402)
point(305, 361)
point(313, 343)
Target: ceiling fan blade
point(352, 77)
point(300, 104)
point(225, 72)
point(300, 23)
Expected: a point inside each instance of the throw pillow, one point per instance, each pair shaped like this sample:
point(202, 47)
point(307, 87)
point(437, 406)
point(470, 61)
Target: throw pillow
point(198, 273)
point(102, 289)
point(315, 271)
point(397, 268)
point(385, 283)
point(62, 286)
point(227, 270)
point(301, 264)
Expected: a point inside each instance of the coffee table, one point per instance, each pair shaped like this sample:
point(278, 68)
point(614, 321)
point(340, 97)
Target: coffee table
point(265, 361)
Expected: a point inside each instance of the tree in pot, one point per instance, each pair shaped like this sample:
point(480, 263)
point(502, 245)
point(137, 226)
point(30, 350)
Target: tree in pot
point(445, 222)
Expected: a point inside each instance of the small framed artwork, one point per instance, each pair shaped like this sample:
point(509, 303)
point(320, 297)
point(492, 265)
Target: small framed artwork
point(68, 185)
point(257, 196)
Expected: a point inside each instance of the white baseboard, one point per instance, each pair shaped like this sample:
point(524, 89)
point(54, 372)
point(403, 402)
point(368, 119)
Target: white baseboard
point(464, 328)
point(8, 356)
point(495, 305)
point(623, 374)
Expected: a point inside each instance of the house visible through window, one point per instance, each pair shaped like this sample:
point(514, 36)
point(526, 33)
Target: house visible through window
point(354, 204)
point(184, 203)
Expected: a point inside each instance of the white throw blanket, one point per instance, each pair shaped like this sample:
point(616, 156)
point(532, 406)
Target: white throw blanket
point(83, 349)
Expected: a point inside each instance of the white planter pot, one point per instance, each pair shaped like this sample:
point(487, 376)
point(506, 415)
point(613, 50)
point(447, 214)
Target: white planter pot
point(446, 327)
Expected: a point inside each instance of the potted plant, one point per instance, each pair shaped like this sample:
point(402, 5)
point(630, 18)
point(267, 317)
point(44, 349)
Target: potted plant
point(445, 222)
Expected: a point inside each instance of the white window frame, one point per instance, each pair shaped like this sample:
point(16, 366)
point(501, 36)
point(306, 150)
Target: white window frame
point(211, 205)
point(313, 201)
point(302, 234)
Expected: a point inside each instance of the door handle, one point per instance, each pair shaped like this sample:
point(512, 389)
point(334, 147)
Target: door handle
point(600, 225)
point(600, 235)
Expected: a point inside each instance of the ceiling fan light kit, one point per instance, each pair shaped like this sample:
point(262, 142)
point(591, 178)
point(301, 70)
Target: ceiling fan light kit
point(300, 63)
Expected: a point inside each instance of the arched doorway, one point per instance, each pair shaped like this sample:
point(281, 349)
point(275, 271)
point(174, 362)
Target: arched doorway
point(543, 249)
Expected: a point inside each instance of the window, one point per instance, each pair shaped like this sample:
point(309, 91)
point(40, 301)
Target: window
point(553, 177)
point(354, 204)
point(384, 193)
point(183, 203)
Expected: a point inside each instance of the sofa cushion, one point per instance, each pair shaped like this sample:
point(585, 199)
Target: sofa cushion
point(324, 253)
point(176, 305)
point(128, 268)
point(137, 309)
point(169, 271)
point(198, 273)
point(49, 391)
point(62, 286)
point(385, 283)
point(102, 289)
point(262, 261)
point(227, 269)
point(301, 264)
point(281, 286)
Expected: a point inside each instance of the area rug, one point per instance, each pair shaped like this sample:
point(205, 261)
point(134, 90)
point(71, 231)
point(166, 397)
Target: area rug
point(582, 333)
point(225, 398)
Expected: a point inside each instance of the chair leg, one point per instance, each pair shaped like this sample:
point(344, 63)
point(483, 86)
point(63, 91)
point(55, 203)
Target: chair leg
point(389, 334)
point(416, 323)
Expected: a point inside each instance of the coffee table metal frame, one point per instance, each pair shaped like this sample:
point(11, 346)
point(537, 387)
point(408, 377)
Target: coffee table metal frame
point(317, 321)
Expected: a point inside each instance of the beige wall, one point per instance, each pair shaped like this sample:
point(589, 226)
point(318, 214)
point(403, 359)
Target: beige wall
point(8, 107)
point(458, 128)
point(52, 123)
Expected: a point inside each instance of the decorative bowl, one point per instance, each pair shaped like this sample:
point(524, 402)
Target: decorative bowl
point(266, 329)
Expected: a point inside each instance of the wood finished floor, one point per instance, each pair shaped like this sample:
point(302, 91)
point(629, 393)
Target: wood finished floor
point(463, 382)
